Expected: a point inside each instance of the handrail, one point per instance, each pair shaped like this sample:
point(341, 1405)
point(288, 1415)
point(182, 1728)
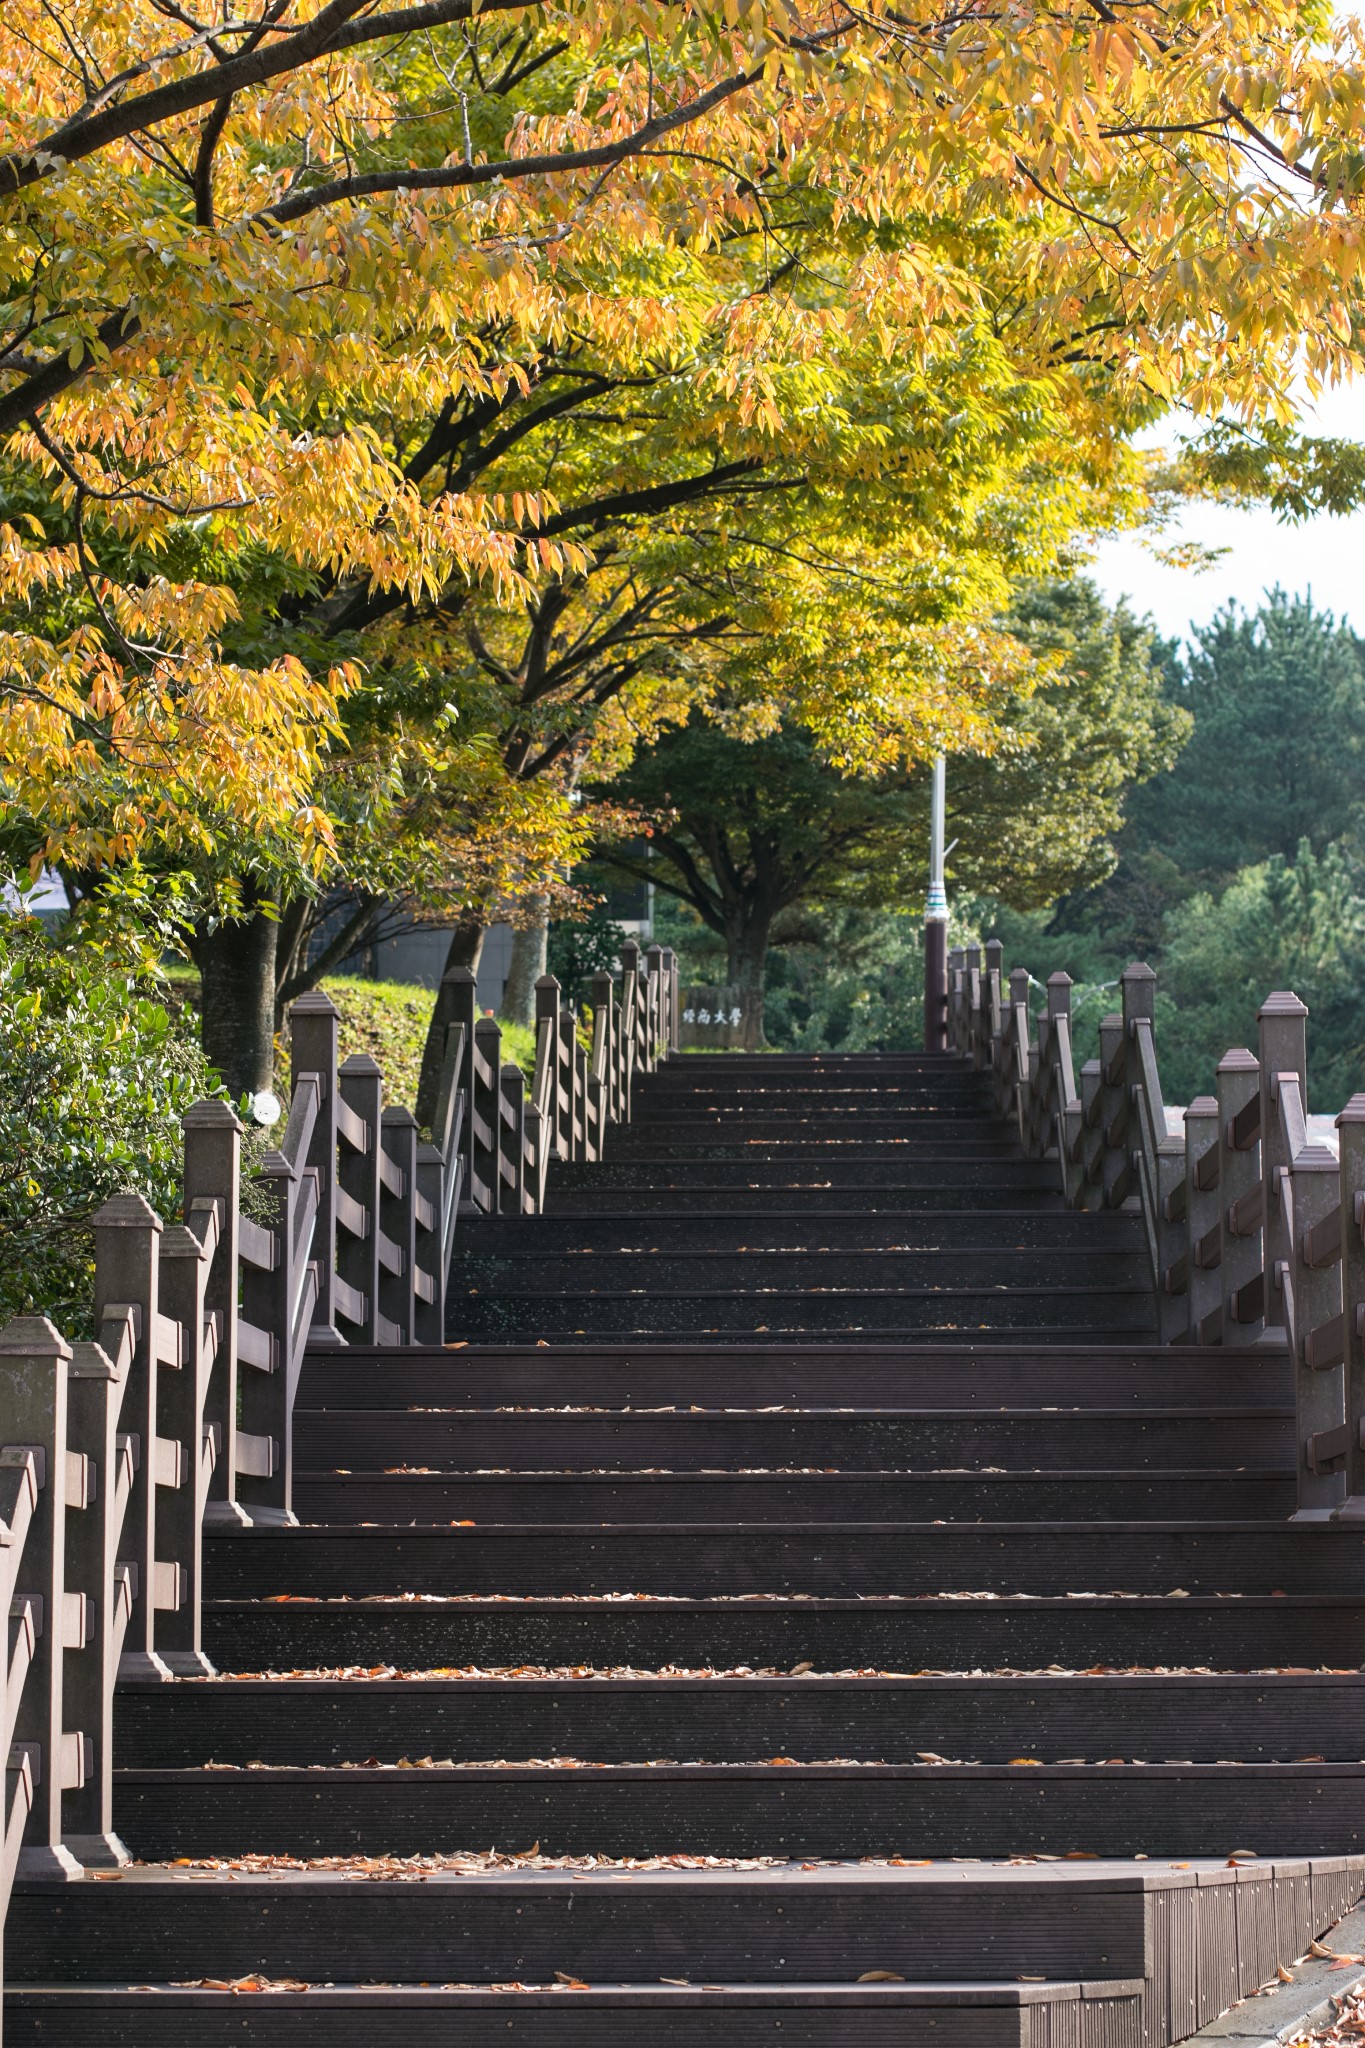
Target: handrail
point(116, 1455)
point(1254, 1231)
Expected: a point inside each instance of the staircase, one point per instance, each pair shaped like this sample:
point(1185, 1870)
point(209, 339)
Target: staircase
point(803, 1604)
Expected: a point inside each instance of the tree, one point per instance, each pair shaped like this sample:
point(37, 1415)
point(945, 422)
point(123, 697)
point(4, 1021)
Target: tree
point(1278, 702)
point(267, 282)
point(1296, 924)
point(749, 828)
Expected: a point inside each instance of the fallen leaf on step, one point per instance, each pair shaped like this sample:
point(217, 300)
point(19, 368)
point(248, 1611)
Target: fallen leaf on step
point(1285, 1976)
point(681, 1982)
point(880, 1977)
point(570, 1983)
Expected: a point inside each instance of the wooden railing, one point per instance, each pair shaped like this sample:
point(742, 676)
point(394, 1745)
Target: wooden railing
point(1255, 1233)
point(116, 1455)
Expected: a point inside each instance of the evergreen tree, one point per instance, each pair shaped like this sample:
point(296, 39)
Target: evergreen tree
point(1278, 701)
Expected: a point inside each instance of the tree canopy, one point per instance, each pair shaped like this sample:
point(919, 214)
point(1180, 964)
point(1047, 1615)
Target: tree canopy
point(749, 825)
point(262, 272)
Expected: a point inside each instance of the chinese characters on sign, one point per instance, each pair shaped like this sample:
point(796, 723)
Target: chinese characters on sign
point(711, 1017)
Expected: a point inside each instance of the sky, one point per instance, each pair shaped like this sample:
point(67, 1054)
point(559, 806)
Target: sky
point(1323, 555)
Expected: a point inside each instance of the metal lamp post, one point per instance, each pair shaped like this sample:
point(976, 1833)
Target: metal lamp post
point(936, 924)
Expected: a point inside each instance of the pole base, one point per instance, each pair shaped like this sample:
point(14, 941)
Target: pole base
point(98, 1852)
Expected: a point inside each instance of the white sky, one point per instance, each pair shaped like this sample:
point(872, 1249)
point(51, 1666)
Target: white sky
point(1323, 554)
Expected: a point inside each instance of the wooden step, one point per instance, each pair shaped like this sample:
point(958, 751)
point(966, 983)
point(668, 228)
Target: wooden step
point(635, 1440)
point(820, 1497)
point(909, 1231)
point(781, 1940)
point(1204, 1717)
point(783, 1808)
point(826, 1172)
point(774, 1194)
point(1106, 2014)
point(651, 1269)
point(715, 1375)
point(875, 1559)
point(891, 1311)
point(1025, 1633)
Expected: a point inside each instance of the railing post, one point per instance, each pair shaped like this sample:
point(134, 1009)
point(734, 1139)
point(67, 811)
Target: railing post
point(360, 1102)
point(1014, 1074)
point(1283, 1047)
point(33, 1388)
point(183, 1442)
point(269, 1293)
point(1240, 1196)
point(1317, 1332)
point(944, 990)
point(606, 1018)
point(1351, 1137)
point(397, 1223)
point(547, 1012)
point(572, 1069)
point(127, 1241)
point(458, 1004)
point(513, 1090)
point(96, 1381)
point(670, 982)
point(654, 964)
point(429, 1272)
point(314, 1023)
point(213, 1151)
point(1113, 1111)
point(1203, 1219)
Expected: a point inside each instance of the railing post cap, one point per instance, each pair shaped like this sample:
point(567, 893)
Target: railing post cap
point(1282, 1002)
point(359, 1065)
point(32, 1337)
point(603, 979)
point(1238, 1060)
point(127, 1212)
point(1202, 1105)
point(211, 1113)
point(1138, 970)
point(179, 1242)
point(1059, 979)
point(510, 1071)
point(398, 1118)
point(485, 1025)
point(542, 981)
point(459, 977)
point(1354, 1112)
point(314, 1002)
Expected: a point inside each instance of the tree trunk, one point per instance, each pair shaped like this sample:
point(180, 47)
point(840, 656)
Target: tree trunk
point(530, 945)
point(747, 943)
point(466, 946)
point(237, 1005)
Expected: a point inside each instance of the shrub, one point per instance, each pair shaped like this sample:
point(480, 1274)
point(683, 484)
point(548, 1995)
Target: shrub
point(96, 1072)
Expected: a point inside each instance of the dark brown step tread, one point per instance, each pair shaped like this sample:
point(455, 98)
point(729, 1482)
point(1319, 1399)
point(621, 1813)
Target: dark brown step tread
point(608, 1998)
point(516, 1679)
point(788, 1771)
point(802, 1606)
point(900, 1412)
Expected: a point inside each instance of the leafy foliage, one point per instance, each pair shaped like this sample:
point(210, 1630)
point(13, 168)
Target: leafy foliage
point(96, 1071)
point(750, 827)
point(590, 945)
point(297, 314)
point(1277, 697)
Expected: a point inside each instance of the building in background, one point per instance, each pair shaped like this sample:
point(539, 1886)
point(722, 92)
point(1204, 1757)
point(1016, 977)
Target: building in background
point(412, 950)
